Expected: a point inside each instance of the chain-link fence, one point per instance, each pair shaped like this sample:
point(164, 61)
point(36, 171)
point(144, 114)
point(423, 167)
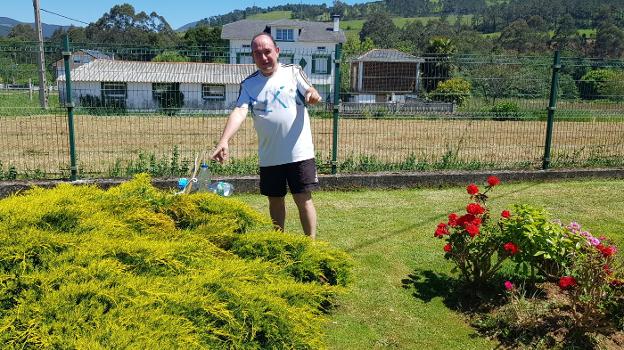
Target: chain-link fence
point(137, 109)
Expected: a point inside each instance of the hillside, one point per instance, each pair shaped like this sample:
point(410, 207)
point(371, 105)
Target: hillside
point(7, 23)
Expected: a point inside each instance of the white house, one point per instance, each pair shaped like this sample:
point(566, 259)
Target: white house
point(311, 45)
point(140, 85)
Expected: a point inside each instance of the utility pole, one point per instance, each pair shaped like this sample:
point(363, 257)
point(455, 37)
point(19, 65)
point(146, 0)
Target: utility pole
point(43, 97)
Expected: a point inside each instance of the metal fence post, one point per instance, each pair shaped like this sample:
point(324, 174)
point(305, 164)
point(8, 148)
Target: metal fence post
point(69, 104)
point(552, 106)
point(336, 112)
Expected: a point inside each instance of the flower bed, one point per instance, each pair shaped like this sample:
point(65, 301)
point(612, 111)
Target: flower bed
point(589, 298)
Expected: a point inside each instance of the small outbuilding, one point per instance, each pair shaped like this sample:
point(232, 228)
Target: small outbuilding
point(137, 85)
point(385, 75)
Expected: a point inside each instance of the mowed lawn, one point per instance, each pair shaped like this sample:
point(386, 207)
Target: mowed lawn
point(390, 235)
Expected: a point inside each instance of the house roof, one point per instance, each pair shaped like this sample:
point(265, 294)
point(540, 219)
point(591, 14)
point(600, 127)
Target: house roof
point(161, 72)
point(96, 54)
point(309, 31)
point(387, 55)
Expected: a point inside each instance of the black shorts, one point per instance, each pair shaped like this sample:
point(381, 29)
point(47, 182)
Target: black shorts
point(300, 176)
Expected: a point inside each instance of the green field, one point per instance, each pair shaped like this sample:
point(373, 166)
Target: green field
point(390, 235)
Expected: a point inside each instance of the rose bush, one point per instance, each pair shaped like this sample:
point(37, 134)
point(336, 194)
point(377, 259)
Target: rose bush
point(476, 241)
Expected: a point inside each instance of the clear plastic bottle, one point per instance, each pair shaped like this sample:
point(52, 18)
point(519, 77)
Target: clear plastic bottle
point(203, 179)
point(224, 188)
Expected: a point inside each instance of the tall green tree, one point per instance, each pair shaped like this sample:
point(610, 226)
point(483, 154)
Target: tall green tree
point(121, 25)
point(609, 41)
point(381, 30)
point(23, 32)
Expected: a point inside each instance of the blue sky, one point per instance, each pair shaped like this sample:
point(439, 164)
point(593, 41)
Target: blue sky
point(177, 13)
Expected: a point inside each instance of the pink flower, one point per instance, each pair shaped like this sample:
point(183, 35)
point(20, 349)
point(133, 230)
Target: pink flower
point(493, 181)
point(472, 189)
point(509, 286)
point(506, 214)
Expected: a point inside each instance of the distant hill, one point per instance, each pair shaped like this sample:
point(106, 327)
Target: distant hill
point(7, 23)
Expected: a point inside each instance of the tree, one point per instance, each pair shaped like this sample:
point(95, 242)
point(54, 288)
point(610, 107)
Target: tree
point(381, 30)
point(76, 35)
point(122, 25)
point(609, 41)
point(170, 56)
point(437, 67)
point(520, 37)
point(23, 32)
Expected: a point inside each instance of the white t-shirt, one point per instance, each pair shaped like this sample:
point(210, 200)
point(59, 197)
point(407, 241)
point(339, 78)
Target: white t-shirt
point(279, 114)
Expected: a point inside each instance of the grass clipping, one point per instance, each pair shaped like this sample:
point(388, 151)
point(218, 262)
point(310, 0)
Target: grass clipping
point(136, 267)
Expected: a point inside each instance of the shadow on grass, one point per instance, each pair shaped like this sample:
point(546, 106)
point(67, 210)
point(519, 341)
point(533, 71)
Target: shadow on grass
point(428, 284)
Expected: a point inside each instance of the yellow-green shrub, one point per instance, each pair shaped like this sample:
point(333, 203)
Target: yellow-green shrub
point(136, 267)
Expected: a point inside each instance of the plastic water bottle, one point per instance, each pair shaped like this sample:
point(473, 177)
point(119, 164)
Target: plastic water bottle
point(182, 183)
point(203, 179)
point(222, 188)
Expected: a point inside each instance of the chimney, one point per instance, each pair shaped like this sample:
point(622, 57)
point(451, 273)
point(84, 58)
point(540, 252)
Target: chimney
point(336, 19)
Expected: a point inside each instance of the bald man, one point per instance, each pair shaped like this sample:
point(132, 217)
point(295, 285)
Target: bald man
point(277, 95)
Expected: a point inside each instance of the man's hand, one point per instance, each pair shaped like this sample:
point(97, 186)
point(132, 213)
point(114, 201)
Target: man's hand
point(221, 152)
point(312, 96)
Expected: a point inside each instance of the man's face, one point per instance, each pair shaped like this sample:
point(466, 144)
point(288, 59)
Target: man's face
point(265, 54)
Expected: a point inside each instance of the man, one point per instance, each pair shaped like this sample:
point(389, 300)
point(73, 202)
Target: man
point(276, 94)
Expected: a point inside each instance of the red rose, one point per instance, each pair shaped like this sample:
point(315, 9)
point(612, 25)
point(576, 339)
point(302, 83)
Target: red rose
point(465, 219)
point(472, 189)
point(493, 181)
point(448, 248)
point(471, 229)
point(476, 221)
point(441, 230)
point(452, 220)
point(475, 209)
point(566, 282)
point(509, 286)
point(506, 214)
point(511, 247)
point(606, 251)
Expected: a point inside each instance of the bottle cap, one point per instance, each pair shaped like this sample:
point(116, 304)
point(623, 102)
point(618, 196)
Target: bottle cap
point(204, 165)
point(182, 182)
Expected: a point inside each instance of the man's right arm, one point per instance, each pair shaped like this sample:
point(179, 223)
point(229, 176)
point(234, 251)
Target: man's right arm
point(235, 120)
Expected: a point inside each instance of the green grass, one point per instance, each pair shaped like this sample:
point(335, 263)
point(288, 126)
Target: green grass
point(390, 235)
point(20, 103)
point(272, 15)
point(356, 25)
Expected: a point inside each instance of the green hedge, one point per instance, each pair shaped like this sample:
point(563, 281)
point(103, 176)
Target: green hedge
point(136, 267)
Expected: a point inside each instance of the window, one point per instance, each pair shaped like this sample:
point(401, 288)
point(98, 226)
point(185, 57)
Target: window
point(244, 58)
point(158, 89)
point(114, 91)
point(213, 92)
point(284, 35)
point(287, 58)
point(321, 64)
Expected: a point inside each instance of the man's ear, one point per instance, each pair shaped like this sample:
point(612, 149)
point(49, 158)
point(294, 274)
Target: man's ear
point(277, 50)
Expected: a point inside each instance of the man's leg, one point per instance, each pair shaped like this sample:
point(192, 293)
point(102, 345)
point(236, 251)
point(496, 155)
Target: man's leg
point(277, 209)
point(307, 213)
